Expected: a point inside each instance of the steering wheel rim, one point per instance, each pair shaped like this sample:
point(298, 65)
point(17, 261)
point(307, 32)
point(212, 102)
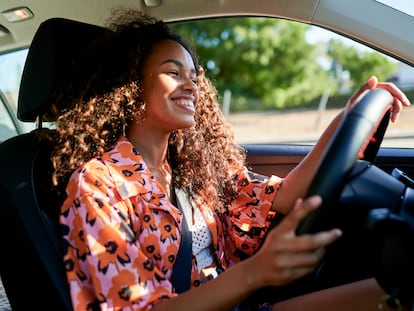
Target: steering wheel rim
point(351, 136)
point(363, 119)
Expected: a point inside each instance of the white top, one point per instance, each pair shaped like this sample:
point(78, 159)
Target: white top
point(197, 225)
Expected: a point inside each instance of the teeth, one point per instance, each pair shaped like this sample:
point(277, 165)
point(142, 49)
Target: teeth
point(187, 103)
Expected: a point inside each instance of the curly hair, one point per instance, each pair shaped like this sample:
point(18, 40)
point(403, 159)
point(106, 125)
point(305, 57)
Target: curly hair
point(104, 98)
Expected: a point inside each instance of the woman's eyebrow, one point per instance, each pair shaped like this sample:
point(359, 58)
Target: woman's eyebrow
point(176, 62)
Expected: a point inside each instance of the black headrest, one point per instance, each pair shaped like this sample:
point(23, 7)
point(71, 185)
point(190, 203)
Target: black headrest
point(56, 45)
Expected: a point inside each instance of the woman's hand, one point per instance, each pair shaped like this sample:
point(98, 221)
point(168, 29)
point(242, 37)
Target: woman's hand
point(400, 99)
point(284, 256)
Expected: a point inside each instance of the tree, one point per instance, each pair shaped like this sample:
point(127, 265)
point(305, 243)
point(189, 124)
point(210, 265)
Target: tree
point(361, 64)
point(260, 58)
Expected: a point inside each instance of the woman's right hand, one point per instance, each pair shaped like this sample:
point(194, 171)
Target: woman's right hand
point(284, 256)
point(400, 99)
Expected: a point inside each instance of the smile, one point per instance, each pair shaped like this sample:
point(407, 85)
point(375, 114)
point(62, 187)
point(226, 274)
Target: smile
point(188, 104)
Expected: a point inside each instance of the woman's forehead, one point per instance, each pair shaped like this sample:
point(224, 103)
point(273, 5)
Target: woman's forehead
point(170, 51)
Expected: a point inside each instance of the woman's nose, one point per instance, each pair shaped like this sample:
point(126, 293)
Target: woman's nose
point(190, 84)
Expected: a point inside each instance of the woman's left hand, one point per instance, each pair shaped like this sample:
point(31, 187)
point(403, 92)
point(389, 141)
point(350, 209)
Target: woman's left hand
point(400, 99)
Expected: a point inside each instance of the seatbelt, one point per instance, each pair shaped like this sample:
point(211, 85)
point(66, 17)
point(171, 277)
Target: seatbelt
point(181, 275)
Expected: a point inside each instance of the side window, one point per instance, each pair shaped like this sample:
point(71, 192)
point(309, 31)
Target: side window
point(11, 63)
point(282, 81)
point(8, 126)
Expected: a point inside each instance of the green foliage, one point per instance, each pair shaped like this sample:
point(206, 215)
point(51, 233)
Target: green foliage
point(270, 59)
point(360, 64)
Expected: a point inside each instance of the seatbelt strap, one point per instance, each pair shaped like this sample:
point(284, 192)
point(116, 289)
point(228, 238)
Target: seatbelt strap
point(181, 275)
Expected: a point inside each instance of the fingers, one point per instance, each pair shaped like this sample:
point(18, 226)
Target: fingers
point(400, 99)
point(299, 212)
point(310, 242)
point(395, 92)
point(323, 238)
point(371, 84)
point(287, 257)
point(289, 224)
point(301, 261)
point(396, 109)
point(285, 237)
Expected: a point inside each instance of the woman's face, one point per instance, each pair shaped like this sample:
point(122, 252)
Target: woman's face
point(169, 87)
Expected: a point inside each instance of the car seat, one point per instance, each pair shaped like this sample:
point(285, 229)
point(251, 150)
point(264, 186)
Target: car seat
point(31, 257)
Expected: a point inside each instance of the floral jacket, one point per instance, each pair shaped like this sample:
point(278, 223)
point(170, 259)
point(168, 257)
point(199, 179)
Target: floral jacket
point(121, 234)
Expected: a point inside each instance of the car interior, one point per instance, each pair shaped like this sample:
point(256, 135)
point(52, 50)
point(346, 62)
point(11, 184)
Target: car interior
point(31, 266)
point(29, 213)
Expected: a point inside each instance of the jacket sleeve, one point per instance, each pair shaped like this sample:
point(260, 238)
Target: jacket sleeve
point(249, 214)
point(106, 265)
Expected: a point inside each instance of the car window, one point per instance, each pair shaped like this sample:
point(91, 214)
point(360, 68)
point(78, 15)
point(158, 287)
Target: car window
point(7, 125)
point(279, 81)
point(283, 81)
point(405, 6)
point(11, 67)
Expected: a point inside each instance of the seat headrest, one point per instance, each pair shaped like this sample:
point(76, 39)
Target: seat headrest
point(51, 57)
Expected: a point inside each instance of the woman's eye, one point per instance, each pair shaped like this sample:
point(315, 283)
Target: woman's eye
point(173, 73)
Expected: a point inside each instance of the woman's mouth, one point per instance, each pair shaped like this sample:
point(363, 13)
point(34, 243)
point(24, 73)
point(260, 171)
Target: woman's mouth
point(186, 103)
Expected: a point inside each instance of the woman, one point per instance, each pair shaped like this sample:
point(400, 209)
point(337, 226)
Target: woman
point(145, 135)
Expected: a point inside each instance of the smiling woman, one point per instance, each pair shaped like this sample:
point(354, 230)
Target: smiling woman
point(144, 150)
point(144, 153)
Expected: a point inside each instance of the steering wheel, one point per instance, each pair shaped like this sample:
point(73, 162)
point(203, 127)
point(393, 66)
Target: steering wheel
point(359, 135)
point(351, 138)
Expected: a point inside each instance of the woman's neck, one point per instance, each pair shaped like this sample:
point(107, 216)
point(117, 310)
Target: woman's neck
point(153, 149)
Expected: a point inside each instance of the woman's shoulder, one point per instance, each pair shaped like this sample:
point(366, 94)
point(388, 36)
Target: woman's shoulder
point(121, 169)
point(121, 154)
point(91, 172)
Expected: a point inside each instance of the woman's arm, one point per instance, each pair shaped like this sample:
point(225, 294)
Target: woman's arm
point(283, 258)
point(297, 182)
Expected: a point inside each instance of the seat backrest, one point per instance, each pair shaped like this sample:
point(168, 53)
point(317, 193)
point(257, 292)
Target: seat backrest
point(31, 259)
